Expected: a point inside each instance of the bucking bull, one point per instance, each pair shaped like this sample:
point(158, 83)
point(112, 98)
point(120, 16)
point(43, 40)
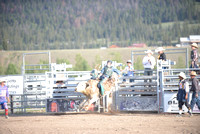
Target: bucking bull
point(92, 92)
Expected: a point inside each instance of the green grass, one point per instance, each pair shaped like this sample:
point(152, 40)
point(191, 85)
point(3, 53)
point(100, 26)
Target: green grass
point(121, 54)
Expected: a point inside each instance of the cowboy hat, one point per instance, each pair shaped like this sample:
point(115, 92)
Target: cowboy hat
point(193, 73)
point(159, 49)
point(148, 51)
point(194, 45)
point(129, 61)
point(182, 75)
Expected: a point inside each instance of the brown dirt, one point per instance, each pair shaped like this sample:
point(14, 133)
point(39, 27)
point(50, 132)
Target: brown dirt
point(100, 123)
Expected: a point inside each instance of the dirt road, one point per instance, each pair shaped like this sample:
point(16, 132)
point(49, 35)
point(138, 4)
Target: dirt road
point(100, 124)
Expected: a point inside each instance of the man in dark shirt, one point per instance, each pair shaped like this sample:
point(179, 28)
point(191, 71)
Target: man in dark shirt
point(161, 55)
point(194, 55)
point(195, 89)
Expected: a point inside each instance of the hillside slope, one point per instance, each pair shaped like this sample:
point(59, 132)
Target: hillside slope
point(74, 24)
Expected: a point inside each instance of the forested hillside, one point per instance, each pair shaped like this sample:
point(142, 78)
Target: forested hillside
point(74, 24)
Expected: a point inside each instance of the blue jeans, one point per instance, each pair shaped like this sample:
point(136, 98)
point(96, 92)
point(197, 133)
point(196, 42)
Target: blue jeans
point(194, 65)
point(100, 84)
point(4, 105)
point(148, 72)
point(195, 100)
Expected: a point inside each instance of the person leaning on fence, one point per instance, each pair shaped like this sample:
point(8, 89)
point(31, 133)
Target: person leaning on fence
point(4, 97)
point(194, 55)
point(94, 74)
point(128, 71)
point(148, 63)
point(161, 55)
point(195, 89)
point(105, 74)
point(183, 93)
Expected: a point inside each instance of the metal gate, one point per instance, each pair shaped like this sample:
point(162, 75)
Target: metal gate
point(34, 89)
point(168, 89)
point(138, 95)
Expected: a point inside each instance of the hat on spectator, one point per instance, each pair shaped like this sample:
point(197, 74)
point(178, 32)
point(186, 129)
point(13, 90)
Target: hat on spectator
point(182, 75)
point(148, 51)
point(194, 45)
point(159, 49)
point(129, 61)
point(193, 73)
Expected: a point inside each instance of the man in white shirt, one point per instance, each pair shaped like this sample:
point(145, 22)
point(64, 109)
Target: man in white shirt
point(148, 63)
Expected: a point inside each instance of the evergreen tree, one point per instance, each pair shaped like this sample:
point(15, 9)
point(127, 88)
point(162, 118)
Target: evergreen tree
point(34, 25)
point(81, 64)
point(12, 69)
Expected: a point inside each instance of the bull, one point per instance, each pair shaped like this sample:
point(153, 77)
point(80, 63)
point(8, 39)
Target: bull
point(92, 93)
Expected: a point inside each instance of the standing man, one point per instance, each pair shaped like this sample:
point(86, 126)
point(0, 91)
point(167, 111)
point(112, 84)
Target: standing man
point(4, 97)
point(183, 93)
point(194, 55)
point(161, 55)
point(148, 63)
point(195, 89)
point(105, 74)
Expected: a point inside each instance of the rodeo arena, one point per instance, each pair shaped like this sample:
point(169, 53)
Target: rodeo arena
point(70, 101)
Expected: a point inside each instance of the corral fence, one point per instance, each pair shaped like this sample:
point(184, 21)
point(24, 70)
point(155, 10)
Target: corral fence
point(33, 96)
point(137, 93)
point(54, 91)
point(58, 94)
point(33, 92)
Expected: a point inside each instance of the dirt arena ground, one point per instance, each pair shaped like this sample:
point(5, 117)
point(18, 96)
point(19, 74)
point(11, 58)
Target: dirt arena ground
point(100, 123)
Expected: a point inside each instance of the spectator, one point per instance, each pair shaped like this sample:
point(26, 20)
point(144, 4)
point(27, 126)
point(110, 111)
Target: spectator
point(195, 89)
point(148, 63)
point(94, 74)
point(183, 93)
point(4, 97)
point(161, 55)
point(194, 55)
point(128, 70)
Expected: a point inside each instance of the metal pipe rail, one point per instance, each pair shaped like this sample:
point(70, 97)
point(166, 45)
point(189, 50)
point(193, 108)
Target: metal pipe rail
point(24, 103)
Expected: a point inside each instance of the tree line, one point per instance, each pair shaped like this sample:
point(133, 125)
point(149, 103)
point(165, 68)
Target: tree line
point(80, 24)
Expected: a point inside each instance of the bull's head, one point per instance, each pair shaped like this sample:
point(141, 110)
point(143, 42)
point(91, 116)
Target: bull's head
point(82, 86)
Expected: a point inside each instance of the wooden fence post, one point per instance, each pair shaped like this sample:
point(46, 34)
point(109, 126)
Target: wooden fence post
point(11, 104)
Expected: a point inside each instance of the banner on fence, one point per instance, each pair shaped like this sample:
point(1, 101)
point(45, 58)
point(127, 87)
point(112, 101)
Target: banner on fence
point(14, 84)
point(141, 103)
point(171, 103)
